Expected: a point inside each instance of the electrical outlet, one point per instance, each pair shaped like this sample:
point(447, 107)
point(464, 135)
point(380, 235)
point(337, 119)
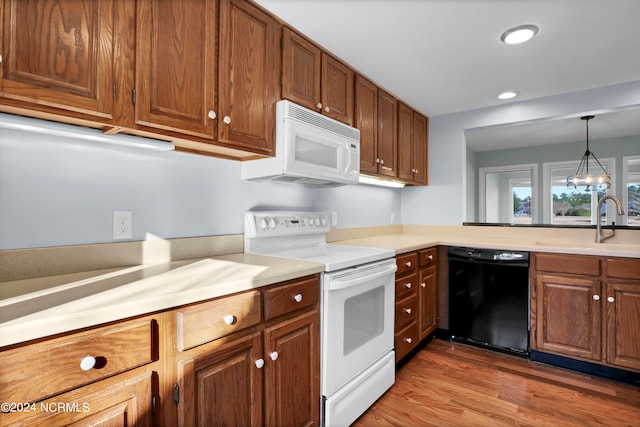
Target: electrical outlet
point(334, 218)
point(122, 224)
point(393, 217)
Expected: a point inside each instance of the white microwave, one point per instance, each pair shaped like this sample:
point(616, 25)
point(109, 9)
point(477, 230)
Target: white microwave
point(311, 149)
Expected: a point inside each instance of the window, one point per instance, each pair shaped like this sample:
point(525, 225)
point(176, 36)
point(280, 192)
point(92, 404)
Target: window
point(565, 206)
point(631, 189)
point(508, 194)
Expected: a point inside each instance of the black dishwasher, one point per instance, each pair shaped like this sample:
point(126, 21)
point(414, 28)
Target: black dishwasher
point(489, 298)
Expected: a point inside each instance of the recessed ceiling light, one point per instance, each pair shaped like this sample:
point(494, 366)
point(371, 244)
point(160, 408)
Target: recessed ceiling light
point(508, 94)
point(519, 34)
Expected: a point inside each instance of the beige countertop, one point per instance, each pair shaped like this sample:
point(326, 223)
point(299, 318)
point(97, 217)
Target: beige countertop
point(55, 304)
point(45, 291)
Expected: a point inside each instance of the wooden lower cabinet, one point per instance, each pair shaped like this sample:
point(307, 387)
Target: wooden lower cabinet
point(587, 307)
point(254, 374)
point(416, 299)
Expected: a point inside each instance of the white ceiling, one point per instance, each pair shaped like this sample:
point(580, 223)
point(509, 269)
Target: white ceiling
point(445, 56)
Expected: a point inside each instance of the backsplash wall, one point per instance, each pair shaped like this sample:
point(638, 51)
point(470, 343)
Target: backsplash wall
point(56, 192)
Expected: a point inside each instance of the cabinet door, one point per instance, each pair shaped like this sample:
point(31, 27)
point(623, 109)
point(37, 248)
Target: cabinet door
point(59, 55)
point(292, 396)
point(419, 148)
point(366, 120)
point(124, 400)
point(223, 387)
point(428, 300)
point(248, 77)
point(405, 135)
point(175, 68)
point(623, 317)
point(337, 89)
point(387, 134)
point(569, 315)
point(300, 70)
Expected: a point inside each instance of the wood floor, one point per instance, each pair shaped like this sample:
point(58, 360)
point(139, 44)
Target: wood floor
point(450, 384)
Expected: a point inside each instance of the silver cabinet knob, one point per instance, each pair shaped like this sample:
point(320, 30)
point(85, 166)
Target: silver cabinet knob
point(408, 264)
point(596, 297)
point(424, 285)
point(381, 162)
point(259, 363)
point(611, 299)
point(298, 297)
point(430, 257)
point(273, 356)
point(229, 319)
point(407, 310)
point(377, 160)
point(326, 109)
point(227, 119)
point(87, 363)
point(408, 340)
point(407, 285)
point(319, 106)
point(212, 114)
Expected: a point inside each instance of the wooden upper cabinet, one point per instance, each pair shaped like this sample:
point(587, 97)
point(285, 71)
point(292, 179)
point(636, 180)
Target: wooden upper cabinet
point(387, 134)
point(420, 148)
point(176, 68)
point(315, 79)
point(59, 57)
point(301, 61)
point(405, 135)
point(412, 145)
point(249, 69)
point(337, 89)
point(366, 120)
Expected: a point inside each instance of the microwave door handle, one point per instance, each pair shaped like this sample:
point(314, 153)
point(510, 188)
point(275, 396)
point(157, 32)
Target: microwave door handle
point(347, 156)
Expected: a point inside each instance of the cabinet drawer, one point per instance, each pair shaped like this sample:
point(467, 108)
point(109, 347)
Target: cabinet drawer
point(406, 285)
point(569, 264)
point(406, 263)
point(283, 299)
point(37, 371)
point(406, 340)
point(428, 256)
point(623, 268)
point(406, 311)
point(205, 322)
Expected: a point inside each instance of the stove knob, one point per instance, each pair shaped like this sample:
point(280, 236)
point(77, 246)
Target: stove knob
point(262, 223)
point(323, 220)
point(272, 223)
point(317, 222)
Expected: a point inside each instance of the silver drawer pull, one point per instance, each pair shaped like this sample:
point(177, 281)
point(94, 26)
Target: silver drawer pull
point(230, 319)
point(408, 264)
point(408, 285)
point(407, 310)
point(298, 297)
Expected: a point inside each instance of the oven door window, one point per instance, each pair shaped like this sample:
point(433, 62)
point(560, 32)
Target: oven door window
point(363, 319)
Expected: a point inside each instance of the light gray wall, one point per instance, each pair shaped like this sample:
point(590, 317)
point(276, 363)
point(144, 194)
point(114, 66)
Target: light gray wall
point(445, 200)
point(603, 148)
point(59, 192)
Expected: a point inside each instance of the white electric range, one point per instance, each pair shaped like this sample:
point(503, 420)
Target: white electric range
point(357, 307)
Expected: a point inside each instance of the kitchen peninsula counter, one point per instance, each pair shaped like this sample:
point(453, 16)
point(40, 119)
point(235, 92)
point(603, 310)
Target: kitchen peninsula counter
point(407, 238)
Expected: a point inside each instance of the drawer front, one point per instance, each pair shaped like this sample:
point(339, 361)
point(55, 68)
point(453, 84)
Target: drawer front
point(37, 371)
point(406, 340)
point(406, 285)
point(406, 263)
point(406, 311)
point(623, 268)
point(205, 322)
point(428, 256)
point(568, 264)
point(287, 298)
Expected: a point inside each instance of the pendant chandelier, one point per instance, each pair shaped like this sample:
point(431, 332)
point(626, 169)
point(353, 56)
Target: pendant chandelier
point(583, 180)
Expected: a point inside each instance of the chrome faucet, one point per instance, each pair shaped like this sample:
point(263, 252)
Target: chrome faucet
point(600, 235)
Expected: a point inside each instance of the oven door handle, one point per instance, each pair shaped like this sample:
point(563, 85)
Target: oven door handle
point(342, 284)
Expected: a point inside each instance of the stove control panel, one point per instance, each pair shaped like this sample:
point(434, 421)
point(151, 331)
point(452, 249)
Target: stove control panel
point(282, 223)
